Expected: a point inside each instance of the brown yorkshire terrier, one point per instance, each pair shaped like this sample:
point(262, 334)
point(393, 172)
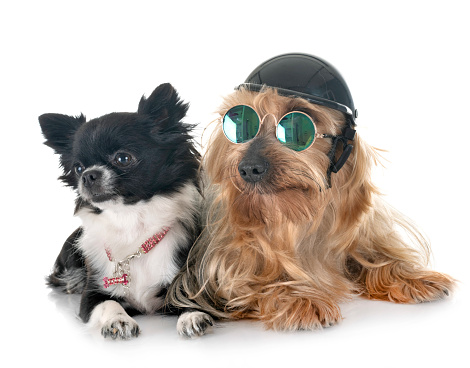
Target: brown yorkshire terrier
point(289, 235)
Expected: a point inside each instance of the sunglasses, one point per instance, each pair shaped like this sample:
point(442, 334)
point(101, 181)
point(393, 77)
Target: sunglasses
point(295, 130)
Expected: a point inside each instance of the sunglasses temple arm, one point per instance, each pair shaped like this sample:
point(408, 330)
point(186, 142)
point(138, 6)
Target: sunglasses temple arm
point(324, 135)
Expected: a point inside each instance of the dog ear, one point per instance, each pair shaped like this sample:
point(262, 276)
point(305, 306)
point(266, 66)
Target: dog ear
point(164, 106)
point(59, 129)
point(352, 187)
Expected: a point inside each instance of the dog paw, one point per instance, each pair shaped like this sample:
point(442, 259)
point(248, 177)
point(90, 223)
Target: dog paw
point(193, 324)
point(312, 318)
point(113, 321)
point(302, 314)
point(120, 327)
point(424, 286)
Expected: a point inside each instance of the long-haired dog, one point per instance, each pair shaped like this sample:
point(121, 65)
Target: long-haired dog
point(136, 176)
point(288, 247)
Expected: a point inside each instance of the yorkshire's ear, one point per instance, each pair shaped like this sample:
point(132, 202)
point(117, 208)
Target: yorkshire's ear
point(164, 105)
point(352, 186)
point(59, 129)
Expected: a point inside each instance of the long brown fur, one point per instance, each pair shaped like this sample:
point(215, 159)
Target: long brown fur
point(289, 249)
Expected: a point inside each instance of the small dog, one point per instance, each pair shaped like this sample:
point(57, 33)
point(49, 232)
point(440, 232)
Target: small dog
point(284, 244)
point(136, 176)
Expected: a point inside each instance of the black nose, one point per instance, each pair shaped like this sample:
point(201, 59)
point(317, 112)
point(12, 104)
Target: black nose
point(91, 177)
point(253, 170)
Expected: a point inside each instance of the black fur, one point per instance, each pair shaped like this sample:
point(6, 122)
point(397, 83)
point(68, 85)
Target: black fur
point(69, 268)
point(162, 160)
point(154, 132)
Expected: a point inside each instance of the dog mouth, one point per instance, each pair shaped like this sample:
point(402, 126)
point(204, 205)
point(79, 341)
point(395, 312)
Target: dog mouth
point(97, 185)
point(257, 204)
point(262, 177)
point(276, 184)
point(98, 198)
point(258, 189)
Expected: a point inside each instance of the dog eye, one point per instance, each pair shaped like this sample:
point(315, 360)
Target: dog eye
point(79, 169)
point(123, 159)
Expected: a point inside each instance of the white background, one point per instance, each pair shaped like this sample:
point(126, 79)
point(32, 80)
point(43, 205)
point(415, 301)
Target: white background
point(406, 64)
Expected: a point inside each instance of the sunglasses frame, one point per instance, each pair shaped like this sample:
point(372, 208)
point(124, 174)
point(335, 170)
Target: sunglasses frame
point(317, 135)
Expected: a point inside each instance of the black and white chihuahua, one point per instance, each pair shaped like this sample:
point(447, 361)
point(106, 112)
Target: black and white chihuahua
point(136, 176)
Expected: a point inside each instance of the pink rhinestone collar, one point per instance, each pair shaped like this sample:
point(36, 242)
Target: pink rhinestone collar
point(122, 269)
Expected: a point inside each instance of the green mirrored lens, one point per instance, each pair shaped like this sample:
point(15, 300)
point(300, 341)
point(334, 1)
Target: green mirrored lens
point(240, 124)
point(296, 131)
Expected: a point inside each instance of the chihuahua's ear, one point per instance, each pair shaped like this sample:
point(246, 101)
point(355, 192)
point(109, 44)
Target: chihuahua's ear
point(59, 129)
point(163, 105)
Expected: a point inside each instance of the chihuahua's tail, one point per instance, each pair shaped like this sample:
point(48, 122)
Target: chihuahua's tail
point(69, 273)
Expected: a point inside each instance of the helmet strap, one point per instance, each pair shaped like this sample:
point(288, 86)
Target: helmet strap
point(335, 165)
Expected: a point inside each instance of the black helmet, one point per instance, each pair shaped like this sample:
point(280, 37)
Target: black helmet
point(306, 76)
point(315, 80)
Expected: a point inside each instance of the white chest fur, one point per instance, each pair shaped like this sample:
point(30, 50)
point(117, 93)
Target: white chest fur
point(123, 228)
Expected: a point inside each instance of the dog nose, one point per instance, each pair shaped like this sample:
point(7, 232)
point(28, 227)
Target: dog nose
point(253, 170)
point(90, 177)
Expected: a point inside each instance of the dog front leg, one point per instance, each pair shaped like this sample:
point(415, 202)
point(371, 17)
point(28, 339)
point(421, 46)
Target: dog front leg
point(386, 268)
point(98, 309)
point(295, 307)
point(400, 281)
point(193, 323)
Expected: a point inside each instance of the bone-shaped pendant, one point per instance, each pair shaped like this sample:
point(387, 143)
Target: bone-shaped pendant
point(115, 280)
